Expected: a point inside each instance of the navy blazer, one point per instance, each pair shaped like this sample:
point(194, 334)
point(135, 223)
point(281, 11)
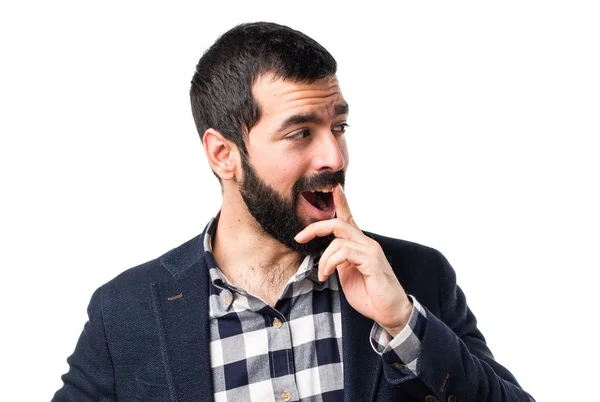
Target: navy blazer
point(147, 338)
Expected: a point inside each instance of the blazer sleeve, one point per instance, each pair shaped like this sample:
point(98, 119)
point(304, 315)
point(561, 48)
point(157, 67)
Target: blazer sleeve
point(454, 358)
point(90, 376)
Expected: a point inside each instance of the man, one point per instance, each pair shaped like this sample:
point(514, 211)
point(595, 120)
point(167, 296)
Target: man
point(282, 297)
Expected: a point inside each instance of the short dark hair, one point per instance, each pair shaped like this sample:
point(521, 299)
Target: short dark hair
point(221, 90)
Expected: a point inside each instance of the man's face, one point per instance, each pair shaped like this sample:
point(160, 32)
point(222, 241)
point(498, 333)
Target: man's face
point(297, 147)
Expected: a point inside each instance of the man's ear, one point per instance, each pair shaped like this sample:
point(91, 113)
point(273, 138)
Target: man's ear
point(222, 154)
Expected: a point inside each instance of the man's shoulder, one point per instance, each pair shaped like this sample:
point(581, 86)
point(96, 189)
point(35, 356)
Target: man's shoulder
point(170, 264)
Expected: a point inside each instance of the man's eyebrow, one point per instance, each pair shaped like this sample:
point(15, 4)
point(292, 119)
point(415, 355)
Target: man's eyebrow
point(338, 110)
point(300, 119)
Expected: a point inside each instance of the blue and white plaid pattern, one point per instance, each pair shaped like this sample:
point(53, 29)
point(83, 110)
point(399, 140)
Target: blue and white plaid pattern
point(288, 353)
point(292, 352)
point(402, 351)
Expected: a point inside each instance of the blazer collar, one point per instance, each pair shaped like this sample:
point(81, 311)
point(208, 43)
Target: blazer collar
point(186, 256)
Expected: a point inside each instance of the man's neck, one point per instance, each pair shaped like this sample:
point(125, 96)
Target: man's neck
point(250, 258)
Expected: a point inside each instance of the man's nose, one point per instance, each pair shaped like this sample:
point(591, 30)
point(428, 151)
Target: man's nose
point(329, 155)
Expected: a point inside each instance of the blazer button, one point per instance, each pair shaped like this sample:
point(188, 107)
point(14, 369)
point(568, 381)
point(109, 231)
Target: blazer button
point(451, 398)
point(431, 398)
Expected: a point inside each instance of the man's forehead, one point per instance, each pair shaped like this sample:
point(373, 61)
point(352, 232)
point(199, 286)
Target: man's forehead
point(275, 93)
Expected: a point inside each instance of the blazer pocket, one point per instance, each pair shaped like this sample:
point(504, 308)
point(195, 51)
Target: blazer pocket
point(146, 391)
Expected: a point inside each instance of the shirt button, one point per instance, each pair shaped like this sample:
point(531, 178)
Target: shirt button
point(286, 396)
point(226, 297)
point(277, 324)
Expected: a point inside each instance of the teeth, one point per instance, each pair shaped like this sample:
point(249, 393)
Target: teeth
point(325, 190)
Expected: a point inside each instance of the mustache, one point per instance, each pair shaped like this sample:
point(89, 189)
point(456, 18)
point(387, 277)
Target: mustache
point(325, 179)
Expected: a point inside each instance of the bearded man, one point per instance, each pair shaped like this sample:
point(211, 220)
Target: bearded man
point(282, 297)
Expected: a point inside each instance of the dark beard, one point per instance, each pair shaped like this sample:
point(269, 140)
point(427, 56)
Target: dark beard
point(276, 215)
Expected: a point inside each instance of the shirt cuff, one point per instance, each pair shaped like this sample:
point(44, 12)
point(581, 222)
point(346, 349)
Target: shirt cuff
point(402, 351)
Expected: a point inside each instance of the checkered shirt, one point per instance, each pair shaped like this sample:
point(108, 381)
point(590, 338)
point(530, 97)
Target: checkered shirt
point(292, 351)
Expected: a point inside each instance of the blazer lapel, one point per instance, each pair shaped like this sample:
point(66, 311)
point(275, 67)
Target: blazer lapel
point(362, 366)
point(181, 306)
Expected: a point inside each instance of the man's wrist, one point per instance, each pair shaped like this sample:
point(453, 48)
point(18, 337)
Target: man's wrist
point(403, 321)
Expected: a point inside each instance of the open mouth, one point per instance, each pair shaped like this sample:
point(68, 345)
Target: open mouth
point(321, 199)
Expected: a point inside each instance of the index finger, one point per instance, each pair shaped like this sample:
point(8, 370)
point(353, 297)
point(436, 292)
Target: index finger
point(342, 210)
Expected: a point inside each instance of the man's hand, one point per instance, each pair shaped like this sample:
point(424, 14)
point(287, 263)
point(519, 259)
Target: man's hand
point(366, 277)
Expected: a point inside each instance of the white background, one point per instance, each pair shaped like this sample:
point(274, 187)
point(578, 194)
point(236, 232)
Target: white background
point(474, 130)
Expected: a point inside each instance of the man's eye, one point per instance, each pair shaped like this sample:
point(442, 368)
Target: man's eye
point(299, 135)
point(340, 128)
